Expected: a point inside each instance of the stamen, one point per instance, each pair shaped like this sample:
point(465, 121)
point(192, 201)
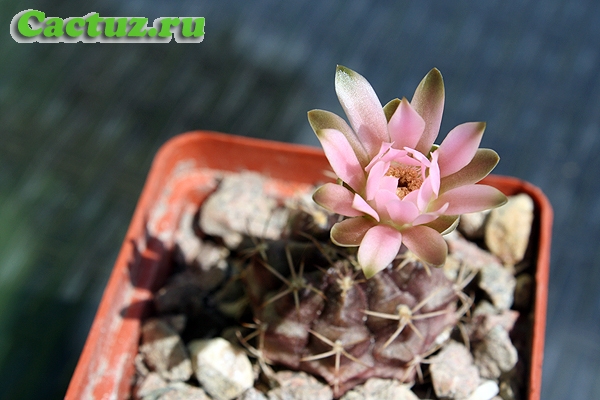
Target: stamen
point(409, 178)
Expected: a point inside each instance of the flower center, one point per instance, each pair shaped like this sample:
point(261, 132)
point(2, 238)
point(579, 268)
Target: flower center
point(409, 178)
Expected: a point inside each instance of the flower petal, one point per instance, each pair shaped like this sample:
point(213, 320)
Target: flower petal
point(390, 108)
point(336, 198)
point(378, 180)
point(428, 101)
point(402, 212)
point(406, 126)
point(379, 247)
point(471, 198)
point(459, 147)
point(480, 166)
point(321, 119)
point(351, 231)
point(426, 243)
point(387, 154)
point(363, 108)
point(341, 157)
point(385, 148)
point(382, 199)
point(361, 205)
point(434, 173)
point(426, 218)
point(444, 224)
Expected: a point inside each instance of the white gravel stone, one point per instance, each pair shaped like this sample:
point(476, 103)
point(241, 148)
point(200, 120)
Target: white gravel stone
point(223, 370)
point(381, 389)
point(472, 225)
point(299, 386)
point(499, 283)
point(495, 354)
point(240, 206)
point(508, 228)
point(486, 391)
point(453, 373)
point(164, 352)
point(252, 394)
point(150, 385)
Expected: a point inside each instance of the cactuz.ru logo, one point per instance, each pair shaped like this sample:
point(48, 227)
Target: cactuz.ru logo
point(33, 26)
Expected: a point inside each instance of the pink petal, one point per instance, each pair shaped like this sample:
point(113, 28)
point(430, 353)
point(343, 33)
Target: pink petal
point(342, 157)
point(378, 249)
point(434, 173)
point(471, 198)
point(428, 101)
point(363, 108)
point(406, 126)
point(408, 160)
point(428, 217)
point(385, 147)
point(418, 156)
point(377, 180)
point(321, 119)
point(426, 194)
point(412, 197)
point(350, 232)
point(426, 243)
point(336, 198)
point(459, 147)
point(480, 166)
point(402, 212)
point(361, 205)
point(444, 224)
point(382, 199)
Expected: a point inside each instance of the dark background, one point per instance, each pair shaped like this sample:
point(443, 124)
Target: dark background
point(80, 123)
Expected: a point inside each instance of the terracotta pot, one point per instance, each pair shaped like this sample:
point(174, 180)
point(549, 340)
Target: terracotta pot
point(177, 180)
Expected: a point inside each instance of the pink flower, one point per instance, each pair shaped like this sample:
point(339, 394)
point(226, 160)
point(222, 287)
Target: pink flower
point(394, 183)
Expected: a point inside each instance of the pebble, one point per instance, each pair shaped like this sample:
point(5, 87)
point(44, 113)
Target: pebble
point(472, 225)
point(499, 283)
point(241, 206)
point(508, 228)
point(486, 391)
point(164, 352)
point(151, 385)
point(223, 370)
point(485, 317)
point(381, 389)
point(495, 354)
point(183, 391)
point(453, 373)
point(469, 254)
point(206, 258)
point(299, 386)
point(252, 394)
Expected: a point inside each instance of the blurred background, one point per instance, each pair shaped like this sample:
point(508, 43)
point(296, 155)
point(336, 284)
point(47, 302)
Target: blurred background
point(80, 123)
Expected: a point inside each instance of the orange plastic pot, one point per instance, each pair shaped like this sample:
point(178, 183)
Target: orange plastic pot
point(180, 178)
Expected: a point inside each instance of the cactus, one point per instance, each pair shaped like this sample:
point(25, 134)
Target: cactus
point(372, 307)
point(314, 311)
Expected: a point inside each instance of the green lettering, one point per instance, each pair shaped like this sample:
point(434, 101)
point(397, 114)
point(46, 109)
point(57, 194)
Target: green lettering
point(92, 25)
point(109, 27)
point(70, 27)
point(24, 27)
point(186, 30)
point(165, 26)
point(54, 27)
point(137, 27)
